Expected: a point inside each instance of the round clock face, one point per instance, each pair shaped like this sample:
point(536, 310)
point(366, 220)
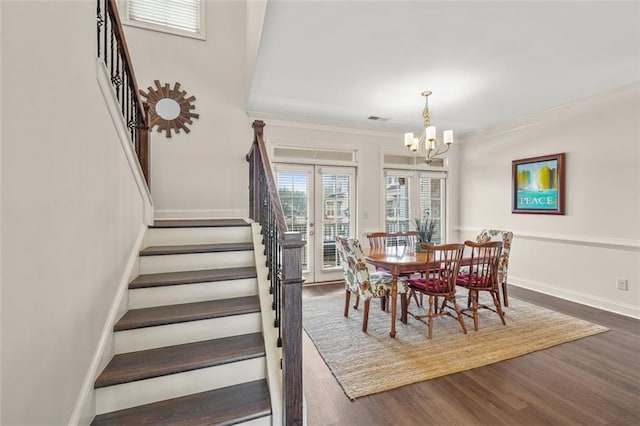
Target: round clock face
point(169, 109)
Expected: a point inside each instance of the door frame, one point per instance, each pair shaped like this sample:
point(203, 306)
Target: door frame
point(316, 271)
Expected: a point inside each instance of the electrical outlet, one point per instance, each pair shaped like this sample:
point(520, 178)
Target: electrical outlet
point(622, 284)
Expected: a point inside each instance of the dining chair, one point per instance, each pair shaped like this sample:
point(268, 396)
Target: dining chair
point(439, 281)
point(407, 239)
point(358, 279)
point(503, 266)
point(482, 275)
point(380, 240)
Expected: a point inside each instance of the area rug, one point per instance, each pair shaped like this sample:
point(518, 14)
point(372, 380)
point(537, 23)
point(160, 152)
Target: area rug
point(372, 362)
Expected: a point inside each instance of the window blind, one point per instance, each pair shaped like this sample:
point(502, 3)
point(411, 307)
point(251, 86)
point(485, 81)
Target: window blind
point(398, 214)
point(178, 14)
point(431, 204)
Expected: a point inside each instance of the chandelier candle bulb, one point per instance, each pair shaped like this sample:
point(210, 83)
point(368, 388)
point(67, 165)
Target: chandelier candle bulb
point(447, 135)
point(408, 139)
point(431, 133)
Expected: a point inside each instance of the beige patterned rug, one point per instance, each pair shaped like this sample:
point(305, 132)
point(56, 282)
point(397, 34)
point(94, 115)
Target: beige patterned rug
point(361, 362)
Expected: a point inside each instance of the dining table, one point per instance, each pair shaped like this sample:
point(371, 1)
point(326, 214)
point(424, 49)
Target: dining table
point(397, 259)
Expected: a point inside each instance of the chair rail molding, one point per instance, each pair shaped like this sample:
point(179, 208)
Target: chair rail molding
point(588, 241)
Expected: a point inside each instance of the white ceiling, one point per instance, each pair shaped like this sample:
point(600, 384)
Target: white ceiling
point(486, 62)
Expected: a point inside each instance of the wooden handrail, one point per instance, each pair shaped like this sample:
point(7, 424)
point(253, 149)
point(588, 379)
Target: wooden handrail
point(258, 127)
point(119, 33)
point(113, 50)
point(283, 251)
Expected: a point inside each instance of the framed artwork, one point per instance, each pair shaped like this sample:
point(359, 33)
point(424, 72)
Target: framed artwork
point(538, 185)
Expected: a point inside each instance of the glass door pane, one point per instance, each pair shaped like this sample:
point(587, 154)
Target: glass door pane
point(397, 207)
point(294, 191)
point(336, 214)
point(431, 203)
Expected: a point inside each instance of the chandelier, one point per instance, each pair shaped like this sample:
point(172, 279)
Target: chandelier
point(427, 145)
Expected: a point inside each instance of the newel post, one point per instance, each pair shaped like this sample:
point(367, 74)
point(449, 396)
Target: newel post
point(256, 159)
point(292, 244)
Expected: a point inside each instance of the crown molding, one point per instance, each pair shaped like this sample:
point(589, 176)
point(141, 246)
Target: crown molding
point(327, 126)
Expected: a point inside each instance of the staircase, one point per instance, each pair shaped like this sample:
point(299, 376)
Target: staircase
point(190, 349)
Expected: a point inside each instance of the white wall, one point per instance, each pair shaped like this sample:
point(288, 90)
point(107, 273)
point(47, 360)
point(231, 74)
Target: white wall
point(577, 256)
point(70, 208)
point(203, 173)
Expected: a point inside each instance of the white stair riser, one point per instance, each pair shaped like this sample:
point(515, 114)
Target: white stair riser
point(185, 332)
point(196, 292)
point(126, 395)
point(262, 421)
point(195, 261)
point(182, 236)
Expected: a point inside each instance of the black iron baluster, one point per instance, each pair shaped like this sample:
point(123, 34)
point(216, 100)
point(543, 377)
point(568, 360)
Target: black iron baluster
point(106, 31)
point(278, 267)
point(100, 21)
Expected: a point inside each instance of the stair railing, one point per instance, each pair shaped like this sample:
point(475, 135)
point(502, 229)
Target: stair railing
point(113, 50)
point(283, 251)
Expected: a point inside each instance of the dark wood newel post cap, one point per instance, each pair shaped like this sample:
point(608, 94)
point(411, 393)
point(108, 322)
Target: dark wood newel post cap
point(258, 125)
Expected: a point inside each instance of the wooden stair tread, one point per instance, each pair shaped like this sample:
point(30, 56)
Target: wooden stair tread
point(140, 365)
point(192, 277)
point(195, 248)
point(224, 406)
point(198, 223)
point(184, 312)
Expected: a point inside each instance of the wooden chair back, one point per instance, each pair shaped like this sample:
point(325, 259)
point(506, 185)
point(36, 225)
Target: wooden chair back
point(483, 265)
point(442, 273)
point(381, 240)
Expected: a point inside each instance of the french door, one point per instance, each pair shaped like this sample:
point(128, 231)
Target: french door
point(318, 202)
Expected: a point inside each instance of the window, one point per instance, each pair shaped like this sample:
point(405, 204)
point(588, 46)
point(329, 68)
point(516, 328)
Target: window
point(411, 195)
point(182, 17)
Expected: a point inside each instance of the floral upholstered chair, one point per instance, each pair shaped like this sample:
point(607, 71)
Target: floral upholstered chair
point(358, 279)
point(505, 236)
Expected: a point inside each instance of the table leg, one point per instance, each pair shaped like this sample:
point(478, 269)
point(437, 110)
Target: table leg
point(394, 304)
point(403, 305)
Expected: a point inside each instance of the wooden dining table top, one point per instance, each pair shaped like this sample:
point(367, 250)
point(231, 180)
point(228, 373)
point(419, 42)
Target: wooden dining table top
point(404, 258)
point(401, 256)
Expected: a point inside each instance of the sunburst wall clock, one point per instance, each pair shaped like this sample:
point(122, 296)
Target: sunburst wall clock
point(169, 109)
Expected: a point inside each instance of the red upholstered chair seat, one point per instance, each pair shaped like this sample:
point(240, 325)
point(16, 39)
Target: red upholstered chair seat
point(432, 285)
point(466, 280)
point(481, 275)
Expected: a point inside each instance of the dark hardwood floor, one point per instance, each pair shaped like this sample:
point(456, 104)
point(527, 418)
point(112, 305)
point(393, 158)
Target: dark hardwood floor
point(592, 381)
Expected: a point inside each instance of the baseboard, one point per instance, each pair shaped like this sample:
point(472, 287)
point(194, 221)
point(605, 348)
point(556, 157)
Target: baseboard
point(577, 297)
point(201, 214)
point(269, 332)
point(84, 409)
